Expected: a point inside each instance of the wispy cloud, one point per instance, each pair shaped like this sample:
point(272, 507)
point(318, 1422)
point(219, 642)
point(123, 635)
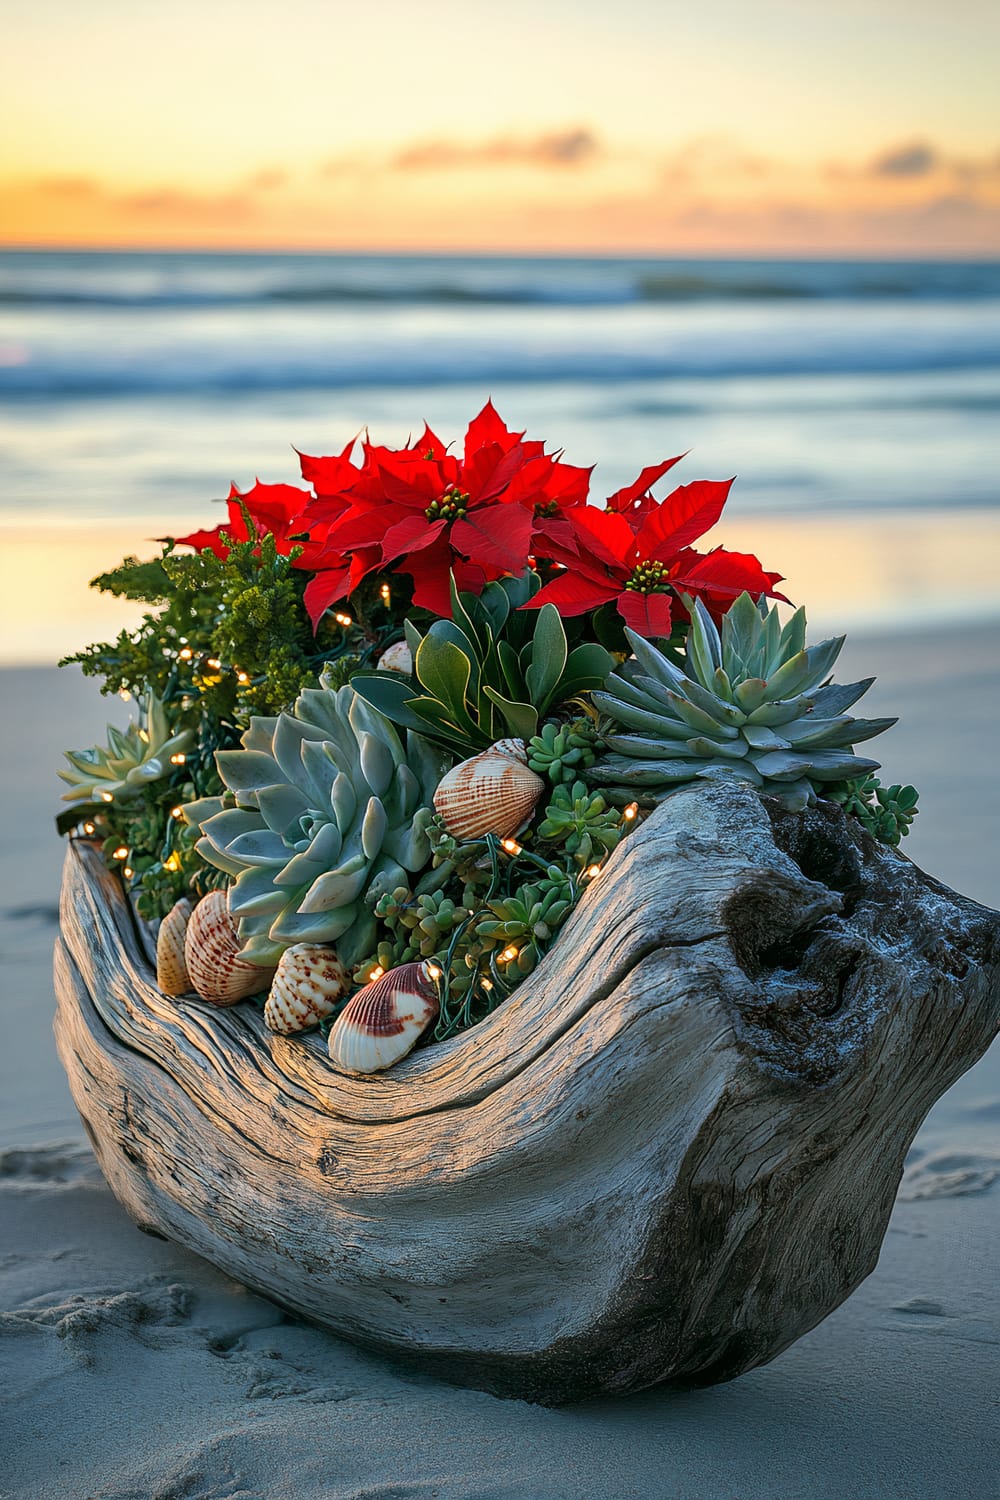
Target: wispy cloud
point(915, 160)
point(570, 190)
point(561, 148)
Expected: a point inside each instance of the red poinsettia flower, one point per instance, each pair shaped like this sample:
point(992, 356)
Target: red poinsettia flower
point(638, 554)
point(272, 507)
point(429, 513)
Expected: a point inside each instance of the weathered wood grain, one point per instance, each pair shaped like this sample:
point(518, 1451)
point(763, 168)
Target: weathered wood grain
point(670, 1154)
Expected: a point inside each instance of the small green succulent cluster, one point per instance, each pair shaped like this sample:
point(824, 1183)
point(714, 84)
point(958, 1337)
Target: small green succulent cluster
point(493, 670)
point(752, 705)
point(326, 809)
point(561, 751)
point(582, 822)
point(524, 924)
point(886, 811)
point(422, 923)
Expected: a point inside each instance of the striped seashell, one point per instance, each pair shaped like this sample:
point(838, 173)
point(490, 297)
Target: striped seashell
point(385, 1020)
point(307, 984)
point(493, 792)
point(396, 658)
point(211, 952)
point(171, 971)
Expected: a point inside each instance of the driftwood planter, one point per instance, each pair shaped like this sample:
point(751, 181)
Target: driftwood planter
point(669, 1155)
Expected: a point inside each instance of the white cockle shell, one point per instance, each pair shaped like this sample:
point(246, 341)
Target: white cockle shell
point(171, 970)
point(307, 984)
point(211, 952)
point(396, 658)
point(385, 1020)
point(492, 792)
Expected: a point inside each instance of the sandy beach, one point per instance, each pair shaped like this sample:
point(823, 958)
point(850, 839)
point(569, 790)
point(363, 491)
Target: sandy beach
point(134, 1371)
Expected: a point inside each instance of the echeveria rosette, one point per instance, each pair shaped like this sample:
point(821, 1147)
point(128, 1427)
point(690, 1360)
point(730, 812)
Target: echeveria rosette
point(752, 705)
point(132, 759)
point(331, 811)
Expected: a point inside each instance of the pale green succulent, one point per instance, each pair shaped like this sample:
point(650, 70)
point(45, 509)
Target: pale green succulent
point(752, 705)
point(331, 812)
point(132, 758)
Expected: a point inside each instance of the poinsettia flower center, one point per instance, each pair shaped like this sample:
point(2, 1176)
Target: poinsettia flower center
point(649, 577)
point(547, 508)
point(450, 506)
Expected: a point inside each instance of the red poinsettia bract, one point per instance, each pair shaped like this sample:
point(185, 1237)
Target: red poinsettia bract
point(423, 511)
point(271, 507)
point(637, 554)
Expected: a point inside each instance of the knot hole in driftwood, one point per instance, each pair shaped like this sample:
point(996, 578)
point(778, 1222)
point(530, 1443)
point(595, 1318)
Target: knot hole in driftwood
point(790, 929)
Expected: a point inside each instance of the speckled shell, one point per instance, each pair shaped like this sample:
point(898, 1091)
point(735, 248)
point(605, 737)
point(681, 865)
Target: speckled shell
point(493, 792)
point(385, 1020)
point(211, 952)
point(307, 984)
point(396, 658)
point(171, 971)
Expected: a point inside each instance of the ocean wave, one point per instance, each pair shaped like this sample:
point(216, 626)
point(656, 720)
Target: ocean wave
point(49, 280)
point(24, 376)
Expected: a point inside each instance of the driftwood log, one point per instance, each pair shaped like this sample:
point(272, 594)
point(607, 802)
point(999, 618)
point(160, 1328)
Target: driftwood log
point(671, 1153)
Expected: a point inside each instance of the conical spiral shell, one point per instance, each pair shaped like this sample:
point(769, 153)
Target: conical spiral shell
point(396, 658)
point(211, 952)
point(385, 1020)
point(493, 792)
point(307, 984)
point(171, 971)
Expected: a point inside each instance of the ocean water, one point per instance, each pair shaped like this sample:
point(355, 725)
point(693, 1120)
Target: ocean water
point(856, 402)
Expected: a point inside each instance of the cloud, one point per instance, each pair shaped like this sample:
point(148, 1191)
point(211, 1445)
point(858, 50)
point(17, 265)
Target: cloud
point(914, 160)
point(562, 148)
point(172, 203)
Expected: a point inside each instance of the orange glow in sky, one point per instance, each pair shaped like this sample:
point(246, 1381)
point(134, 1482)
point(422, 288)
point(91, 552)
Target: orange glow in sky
point(777, 128)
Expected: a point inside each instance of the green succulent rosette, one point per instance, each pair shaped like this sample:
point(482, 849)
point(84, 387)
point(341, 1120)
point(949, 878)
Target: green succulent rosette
point(326, 810)
point(752, 704)
point(132, 758)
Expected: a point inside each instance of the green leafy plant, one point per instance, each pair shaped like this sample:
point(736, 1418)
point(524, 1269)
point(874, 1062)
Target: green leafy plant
point(490, 671)
point(752, 705)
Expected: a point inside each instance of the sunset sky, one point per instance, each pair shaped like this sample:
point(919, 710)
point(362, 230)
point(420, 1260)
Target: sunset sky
point(781, 127)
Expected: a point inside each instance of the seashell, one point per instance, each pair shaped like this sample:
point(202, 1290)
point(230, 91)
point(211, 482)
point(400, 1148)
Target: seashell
point(307, 984)
point(396, 658)
point(493, 792)
point(171, 971)
point(385, 1020)
point(211, 952)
